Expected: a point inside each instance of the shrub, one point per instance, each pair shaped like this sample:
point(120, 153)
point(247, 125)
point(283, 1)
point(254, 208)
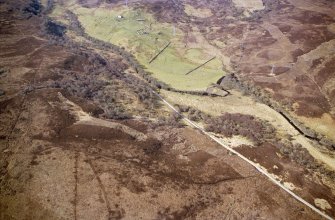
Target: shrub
point(55, 29)
point(34, 8)
point(239, 124)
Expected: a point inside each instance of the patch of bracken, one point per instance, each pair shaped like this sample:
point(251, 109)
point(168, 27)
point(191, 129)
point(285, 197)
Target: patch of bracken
point(238, 124)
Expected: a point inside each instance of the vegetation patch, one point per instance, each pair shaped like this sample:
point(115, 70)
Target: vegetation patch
point(55, 29)
point(144, 37)
point(34, 8)
point(239, 124)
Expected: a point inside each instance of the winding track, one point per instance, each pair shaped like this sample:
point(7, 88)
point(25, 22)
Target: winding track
point(257, 166)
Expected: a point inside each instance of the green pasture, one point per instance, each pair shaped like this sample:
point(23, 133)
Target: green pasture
point(140, 34)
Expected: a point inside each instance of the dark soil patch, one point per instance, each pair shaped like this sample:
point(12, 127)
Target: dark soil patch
point(8, 102)
point(316, 62)
point(151, 146)
point(260, 42)
point(326, 73)
point(21, 47)
point(212, 172)
point(74, 63)
point(310, 37)
point(79, 131)
point(199, 157)
point(312, 106)
point(135, 124)
point(284, 27)
point(87, 105)
point(280, 70)
point(320, 191)
point(264, 69)
point(51, 55)
point(266, 154)
point(297, 53)
point(312, 17)
point(266, 200)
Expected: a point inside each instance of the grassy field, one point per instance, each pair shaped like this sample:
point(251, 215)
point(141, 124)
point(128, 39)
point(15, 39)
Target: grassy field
point(322, 125)
point(142, 35)
point(58, 11)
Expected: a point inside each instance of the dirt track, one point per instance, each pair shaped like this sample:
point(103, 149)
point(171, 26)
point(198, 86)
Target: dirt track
point(104, 172)
point(60, 162)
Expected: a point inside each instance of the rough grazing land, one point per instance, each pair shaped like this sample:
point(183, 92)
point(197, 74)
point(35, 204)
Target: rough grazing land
point(82, 135)
point(139, 32)
point(283, 47)
point(286, 49)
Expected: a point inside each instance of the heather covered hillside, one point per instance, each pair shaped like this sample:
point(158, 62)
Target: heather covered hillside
point(167, 109)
